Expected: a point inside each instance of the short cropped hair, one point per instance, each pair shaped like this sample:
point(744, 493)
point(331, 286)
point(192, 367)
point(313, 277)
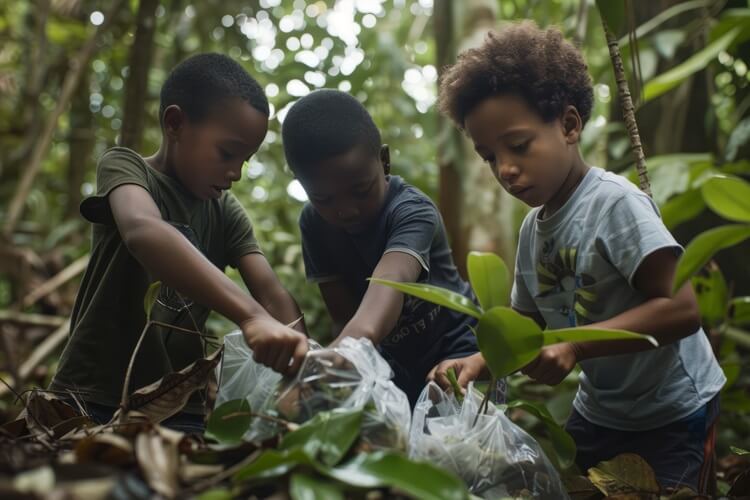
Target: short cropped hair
point(326, 123)
point(547, 71)
point(202, 80)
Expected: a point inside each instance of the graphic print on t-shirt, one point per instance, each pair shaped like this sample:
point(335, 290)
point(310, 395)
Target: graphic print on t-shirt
point(556, 273)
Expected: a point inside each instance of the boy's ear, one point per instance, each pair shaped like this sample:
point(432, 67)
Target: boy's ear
point(572, 124)
point(174, 119)
point(385, 158)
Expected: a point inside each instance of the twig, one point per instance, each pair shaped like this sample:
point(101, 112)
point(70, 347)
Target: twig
point(181, 329)
point(52, 284)
point(12, 316)
point(129, 372)
point(72, 78)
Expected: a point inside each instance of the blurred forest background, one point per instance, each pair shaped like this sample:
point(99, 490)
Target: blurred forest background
point(79, 76)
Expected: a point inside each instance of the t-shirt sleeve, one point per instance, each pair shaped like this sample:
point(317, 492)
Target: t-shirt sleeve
point(412, 230)
point(319, 265)
point(630, 231)
point(239, 237)
point(115, 168)
point(520, 297)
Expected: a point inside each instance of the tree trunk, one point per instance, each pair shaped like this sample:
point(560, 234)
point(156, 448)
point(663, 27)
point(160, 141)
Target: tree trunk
point(450, 146)
point(139, 64)
point(80, 146)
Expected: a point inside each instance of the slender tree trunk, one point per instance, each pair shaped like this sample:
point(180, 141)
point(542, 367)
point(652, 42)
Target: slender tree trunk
point(139, 64)
point(80, 146)
point(449, 148)
point(628, 110)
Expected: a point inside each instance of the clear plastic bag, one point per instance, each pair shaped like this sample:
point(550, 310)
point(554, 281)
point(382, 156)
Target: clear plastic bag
point(494, 456)
point(351, 375)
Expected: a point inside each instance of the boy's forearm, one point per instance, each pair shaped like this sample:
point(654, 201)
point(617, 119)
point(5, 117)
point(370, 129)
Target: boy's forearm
point(376, 316)
point(167, 255)
point(665, 319)
point(282, 306)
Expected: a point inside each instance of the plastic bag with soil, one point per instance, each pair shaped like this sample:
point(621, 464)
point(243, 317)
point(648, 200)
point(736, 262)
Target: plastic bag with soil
point(494, 456)
point(351, 375)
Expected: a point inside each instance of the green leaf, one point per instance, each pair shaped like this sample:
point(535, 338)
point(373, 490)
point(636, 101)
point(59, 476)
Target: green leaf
point(273, 463)
point(613, 13)
point(228, 428)
point(739, 311)
point(416, 479)
point(562, 442)
point(713, 294)
point(682, 208)
point(593, 334)
point(216, 494)
point(675, 76)
point(728, 197)
point(328, 435)
point(436, 295)
point(508, 340)
point(704, 246)
point(489, 278)
point(304, 487)
point(451, 374)
point(739, 451)
point(150, 298)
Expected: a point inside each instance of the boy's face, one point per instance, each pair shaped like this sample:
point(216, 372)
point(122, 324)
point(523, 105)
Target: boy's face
point(207, 155)
point(348, 190)
point(529, 157)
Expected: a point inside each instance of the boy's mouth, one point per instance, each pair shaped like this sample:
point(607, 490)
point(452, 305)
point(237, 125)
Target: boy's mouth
point(219, 189)
point(518, 190)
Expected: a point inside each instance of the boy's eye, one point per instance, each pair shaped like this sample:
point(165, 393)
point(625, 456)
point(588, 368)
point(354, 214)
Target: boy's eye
point(224, 154)
point(362, 193)
point(520, 147)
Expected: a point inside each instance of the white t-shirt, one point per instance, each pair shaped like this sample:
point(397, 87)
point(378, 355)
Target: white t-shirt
point(577, 267)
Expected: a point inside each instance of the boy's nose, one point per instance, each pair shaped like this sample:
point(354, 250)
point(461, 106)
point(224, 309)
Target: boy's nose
point(234, 174)
point(508, 171)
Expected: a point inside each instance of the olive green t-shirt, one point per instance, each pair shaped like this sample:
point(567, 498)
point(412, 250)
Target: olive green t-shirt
point(108, 315)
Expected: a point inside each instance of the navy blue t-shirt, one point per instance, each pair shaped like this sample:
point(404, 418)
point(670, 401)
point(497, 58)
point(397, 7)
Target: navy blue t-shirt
point(408, 222)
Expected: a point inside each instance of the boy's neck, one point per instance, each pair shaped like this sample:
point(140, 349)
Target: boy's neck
point(568, 187)
point(158, 161)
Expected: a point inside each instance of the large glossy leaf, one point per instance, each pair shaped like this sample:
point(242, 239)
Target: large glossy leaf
point(272, 463)
point(675, 76)
point(436, 295)
point(728, 197)
point(713, 294)
point(329, 435)
point(508, 340)
point(704, 246)
point(592, 334)
point(150, 298)
point(562, 442)
point(305, 487)
point(229, 422)
point(739, 311)
point(682, 208)
point(416, 479)
point(489, 278)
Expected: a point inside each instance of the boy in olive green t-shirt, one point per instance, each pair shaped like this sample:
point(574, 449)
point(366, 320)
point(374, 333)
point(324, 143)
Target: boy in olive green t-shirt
point(169, 217)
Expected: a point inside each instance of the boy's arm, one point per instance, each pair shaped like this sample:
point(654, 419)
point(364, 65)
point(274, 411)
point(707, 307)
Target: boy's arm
point(381, 306)
point(265, 286)
point(666, 317)
point(168, 255)
point(340, 303)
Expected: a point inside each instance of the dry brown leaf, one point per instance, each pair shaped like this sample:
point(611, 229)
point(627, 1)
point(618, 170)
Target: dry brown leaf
point(159, 461)
point(167, 396)
point(105, 448)
point(626, 474)
point(44, 411)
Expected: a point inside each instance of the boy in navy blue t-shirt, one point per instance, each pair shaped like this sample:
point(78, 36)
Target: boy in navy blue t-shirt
point(362, 222)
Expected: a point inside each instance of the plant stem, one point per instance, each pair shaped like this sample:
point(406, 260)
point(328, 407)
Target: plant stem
point(129, 372)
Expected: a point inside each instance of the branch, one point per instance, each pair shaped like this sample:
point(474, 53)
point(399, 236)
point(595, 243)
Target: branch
point(77, 67)
point(52, 284)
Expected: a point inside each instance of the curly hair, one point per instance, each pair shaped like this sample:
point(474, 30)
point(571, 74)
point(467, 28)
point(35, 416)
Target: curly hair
point(537, 64)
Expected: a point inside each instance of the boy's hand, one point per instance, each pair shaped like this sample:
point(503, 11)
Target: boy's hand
point(553, 364)
point(275, 345)
point(467, 369)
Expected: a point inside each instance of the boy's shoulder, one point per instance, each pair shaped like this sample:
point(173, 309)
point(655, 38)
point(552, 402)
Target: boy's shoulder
point(122, 154)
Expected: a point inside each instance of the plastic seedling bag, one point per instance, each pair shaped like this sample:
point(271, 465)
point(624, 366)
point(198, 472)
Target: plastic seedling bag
point(494, 456)
point(351, 375)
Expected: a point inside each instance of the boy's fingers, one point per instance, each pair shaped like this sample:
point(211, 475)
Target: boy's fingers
point(281, 360)
point(431, 375)
point(529, 369)
point(298, 356)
